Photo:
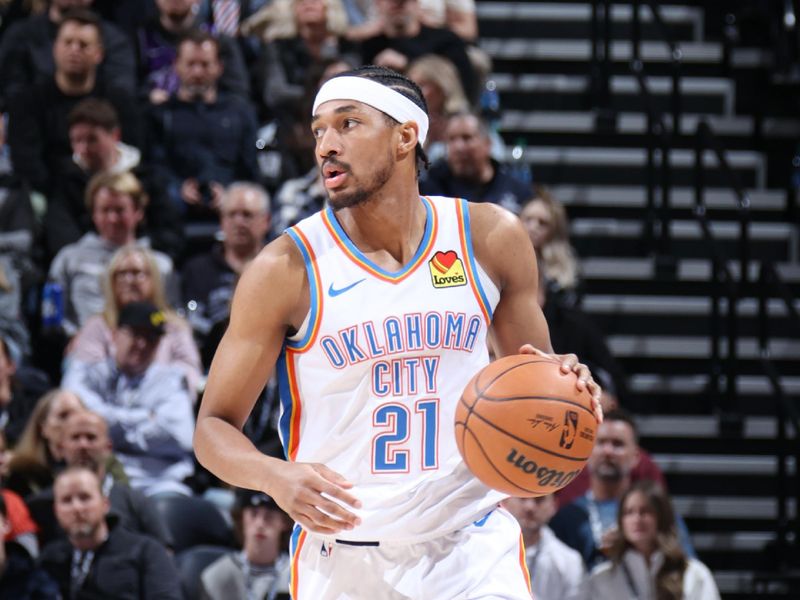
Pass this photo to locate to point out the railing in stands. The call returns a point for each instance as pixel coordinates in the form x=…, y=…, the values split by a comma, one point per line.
x=659, y=136
x=770, y=285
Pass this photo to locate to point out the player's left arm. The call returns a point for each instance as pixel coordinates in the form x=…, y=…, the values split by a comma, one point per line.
x=504, y=250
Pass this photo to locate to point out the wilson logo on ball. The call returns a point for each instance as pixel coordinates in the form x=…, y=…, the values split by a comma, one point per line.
x=544, y=475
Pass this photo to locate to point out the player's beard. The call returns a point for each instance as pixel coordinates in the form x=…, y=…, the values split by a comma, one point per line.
x=362, y=194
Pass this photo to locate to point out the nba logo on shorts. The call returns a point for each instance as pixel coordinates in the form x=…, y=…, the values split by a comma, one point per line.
x=326, y=549
x=569, y=430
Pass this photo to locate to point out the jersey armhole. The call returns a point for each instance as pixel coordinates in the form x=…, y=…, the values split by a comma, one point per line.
x=305, y=336
x=486, y=292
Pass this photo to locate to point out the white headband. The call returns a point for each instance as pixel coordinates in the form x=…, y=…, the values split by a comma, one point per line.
x=376, y=95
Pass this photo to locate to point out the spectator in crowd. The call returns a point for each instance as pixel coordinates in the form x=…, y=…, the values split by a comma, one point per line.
x=202, y=139
x=469, y=171
x=438, y=79
x=38, y=132
x=588, y=523
x=157, y=44
x=87, y=444
x=646, y=559
x=548, y=227
x=133, y=276
x=94, y=135
x=147, y=405
x=99, y=558
x=15, y=405
x=300, y=35
x=209, y=279
x=404, y=37
x=117, y=203
x=38, y=452
x=261, y=569
x=556, y=570
x=20, y=578
x=226, y=17
x=26, y=58
x=20, y=255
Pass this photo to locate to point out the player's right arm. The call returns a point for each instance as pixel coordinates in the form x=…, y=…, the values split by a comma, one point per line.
x=272, y=297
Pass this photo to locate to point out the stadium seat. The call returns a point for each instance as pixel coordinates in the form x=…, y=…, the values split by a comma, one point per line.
x=191, y=563
x=193, y=522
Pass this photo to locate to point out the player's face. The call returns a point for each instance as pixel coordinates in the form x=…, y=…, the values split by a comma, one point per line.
x=615, y=451
x=639, y=522
x=468, y=149
x=79, y=506
x=77, y=49
x=115, y=216
x=353, y=150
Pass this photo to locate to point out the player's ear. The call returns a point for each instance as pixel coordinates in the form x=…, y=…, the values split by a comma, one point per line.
x=409, y=136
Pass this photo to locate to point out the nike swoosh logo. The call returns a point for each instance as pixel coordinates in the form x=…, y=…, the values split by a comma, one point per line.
x=334, y=292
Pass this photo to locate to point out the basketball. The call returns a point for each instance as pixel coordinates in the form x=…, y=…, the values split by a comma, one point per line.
x=522, y=426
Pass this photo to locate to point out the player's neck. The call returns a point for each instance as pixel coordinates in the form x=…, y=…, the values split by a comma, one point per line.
x=609, y=489
x=392, y=224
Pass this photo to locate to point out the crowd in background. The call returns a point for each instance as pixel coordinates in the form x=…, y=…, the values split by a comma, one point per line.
x=148, y=151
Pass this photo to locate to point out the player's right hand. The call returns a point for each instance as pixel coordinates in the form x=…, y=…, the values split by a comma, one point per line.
x=306, y=492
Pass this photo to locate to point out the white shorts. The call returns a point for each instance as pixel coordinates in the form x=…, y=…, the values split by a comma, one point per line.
x=484, y=560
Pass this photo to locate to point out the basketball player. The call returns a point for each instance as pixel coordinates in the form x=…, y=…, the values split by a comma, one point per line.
x=376, y=311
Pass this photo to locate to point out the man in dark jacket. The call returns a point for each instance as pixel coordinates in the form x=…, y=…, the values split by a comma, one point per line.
x=470, y=172
x=37, y=131
x=26, y=57
x=101, y=559
x=202, y=139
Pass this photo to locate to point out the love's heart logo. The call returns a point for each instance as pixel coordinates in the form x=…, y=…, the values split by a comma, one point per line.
x=444, y=260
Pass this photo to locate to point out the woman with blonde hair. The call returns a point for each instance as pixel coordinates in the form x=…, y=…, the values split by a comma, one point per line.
x=646, y=559
x=133, y=276
x=38, y=450
x=438, y=79
x=548, y=227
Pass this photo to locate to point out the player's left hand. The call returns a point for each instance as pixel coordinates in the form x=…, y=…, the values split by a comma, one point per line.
x=570, y=364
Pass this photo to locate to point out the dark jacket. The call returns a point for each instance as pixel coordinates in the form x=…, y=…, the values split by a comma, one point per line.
x=22, y=579
x=503, y=189
x=126, y=566
x=38, y=133
x=26, y=55
x=206, y=141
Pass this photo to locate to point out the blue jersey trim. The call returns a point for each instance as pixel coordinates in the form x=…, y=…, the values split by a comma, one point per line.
x=314, y=293
x=471, y=258
x=423, y=245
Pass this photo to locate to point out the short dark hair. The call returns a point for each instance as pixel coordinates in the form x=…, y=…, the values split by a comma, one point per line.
x=94, y=111
x=82, y=16
x=620, y=414
x=483, y=126
x=401, y=84
x=197, y=37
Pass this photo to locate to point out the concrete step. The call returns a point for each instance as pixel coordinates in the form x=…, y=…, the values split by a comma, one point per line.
x=573, y=20
x=534, y=91
x=627, y=166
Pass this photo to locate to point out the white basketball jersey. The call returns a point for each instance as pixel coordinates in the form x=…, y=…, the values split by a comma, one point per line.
x=370, y=384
